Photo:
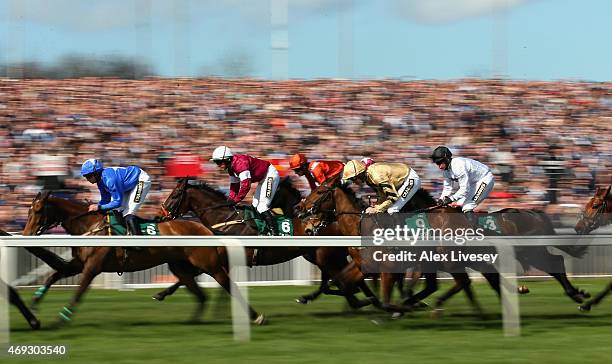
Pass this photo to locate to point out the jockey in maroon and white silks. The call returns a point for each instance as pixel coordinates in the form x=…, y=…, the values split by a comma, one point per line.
x=244, y=170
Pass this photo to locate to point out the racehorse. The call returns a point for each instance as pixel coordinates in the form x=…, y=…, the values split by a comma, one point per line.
x=210, y=206
x=333, y=202
x=47, y=211
x=596, y=214
x=15, y=300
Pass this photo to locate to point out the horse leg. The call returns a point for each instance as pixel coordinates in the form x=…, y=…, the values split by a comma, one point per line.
x=15, y=300
x=462, y=282
x=412, y=282
x=222, y=277
x=323, y=288
x=51, y=259
x=555, y=263
x=431, y=285
x=186, y=276
x=600, y=296
x=160, y=296
x=91, y=268
x=349, y=278
x=493, y=279
x=72, y=268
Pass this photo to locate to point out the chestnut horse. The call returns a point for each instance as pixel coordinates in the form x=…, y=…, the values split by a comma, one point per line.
x=210, y=206
x=596, y=214
x=185, y=262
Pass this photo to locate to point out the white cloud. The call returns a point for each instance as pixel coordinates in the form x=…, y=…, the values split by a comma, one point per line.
x=439, y=11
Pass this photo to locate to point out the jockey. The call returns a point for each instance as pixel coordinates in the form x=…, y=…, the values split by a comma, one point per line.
x=316, y=172
x=474, y=179
x=244, y=170
x=395, y=183
x=121, y=188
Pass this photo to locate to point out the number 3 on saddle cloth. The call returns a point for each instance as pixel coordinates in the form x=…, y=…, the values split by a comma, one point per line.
x=116, y=226
x=284, y=224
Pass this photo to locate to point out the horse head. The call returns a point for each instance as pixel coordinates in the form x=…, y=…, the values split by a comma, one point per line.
x=329, y=202
x=596, y=212
x=40, y=217
x=174, y=206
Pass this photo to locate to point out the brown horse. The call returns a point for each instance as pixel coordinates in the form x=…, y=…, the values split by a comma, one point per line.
x=185, y=262
x=332, y=202
x=210, y=206
x=596, y=214
x=15, y=300
x=336, y=203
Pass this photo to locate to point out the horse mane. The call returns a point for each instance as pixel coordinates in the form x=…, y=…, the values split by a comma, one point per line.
x=352, y=195
x=208, y=188
x=287, y=183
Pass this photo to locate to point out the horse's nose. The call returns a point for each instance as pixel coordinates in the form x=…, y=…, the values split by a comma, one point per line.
x=309, y=232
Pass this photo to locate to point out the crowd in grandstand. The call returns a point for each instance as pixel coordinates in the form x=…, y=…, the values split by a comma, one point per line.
x=548, y=142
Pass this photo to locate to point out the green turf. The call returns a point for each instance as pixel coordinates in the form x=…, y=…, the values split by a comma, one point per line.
x=129, y=327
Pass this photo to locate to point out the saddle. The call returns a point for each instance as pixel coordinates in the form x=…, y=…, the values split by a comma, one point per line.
x=251, y=216
x=117, y=226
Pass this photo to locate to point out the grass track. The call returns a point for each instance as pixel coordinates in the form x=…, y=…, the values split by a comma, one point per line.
x=129, y=327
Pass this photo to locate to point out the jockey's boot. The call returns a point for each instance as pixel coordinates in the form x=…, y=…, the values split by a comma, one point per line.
x=131, y=222
x=472, y=218
x=271, y=222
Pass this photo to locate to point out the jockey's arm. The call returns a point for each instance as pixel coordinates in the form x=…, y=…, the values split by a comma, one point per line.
x=234, y=187
x=463, y=186
x=245, y=185
x=116, y=197
x=389, y=196
x=448, y=188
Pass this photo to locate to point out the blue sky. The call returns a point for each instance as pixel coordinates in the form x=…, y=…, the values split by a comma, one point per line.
x=423, y=39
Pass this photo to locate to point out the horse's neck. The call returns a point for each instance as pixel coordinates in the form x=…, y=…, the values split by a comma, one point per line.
x=69, y=212
x=348, y=213
x=202, y=200
x=286, y=201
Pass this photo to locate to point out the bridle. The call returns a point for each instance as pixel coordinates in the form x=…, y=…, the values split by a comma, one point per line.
x=328, y=216
x=46, y=223
x=595, y=220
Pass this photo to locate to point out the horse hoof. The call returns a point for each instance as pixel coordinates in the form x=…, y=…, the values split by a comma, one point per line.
x=260, y=320
x=437, y=313
x=523, y=289
x=585, y=308
x=397, y=315
x=301, y=300
x=34, y=324
x=158, y=297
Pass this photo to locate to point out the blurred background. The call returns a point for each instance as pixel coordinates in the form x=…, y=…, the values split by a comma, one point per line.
x=160, y=84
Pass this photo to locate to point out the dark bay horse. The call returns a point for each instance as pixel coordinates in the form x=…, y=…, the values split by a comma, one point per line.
x=337, y=203
x=185, y=262
x=210, y=206
x=596, y=214
x=15, y=300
